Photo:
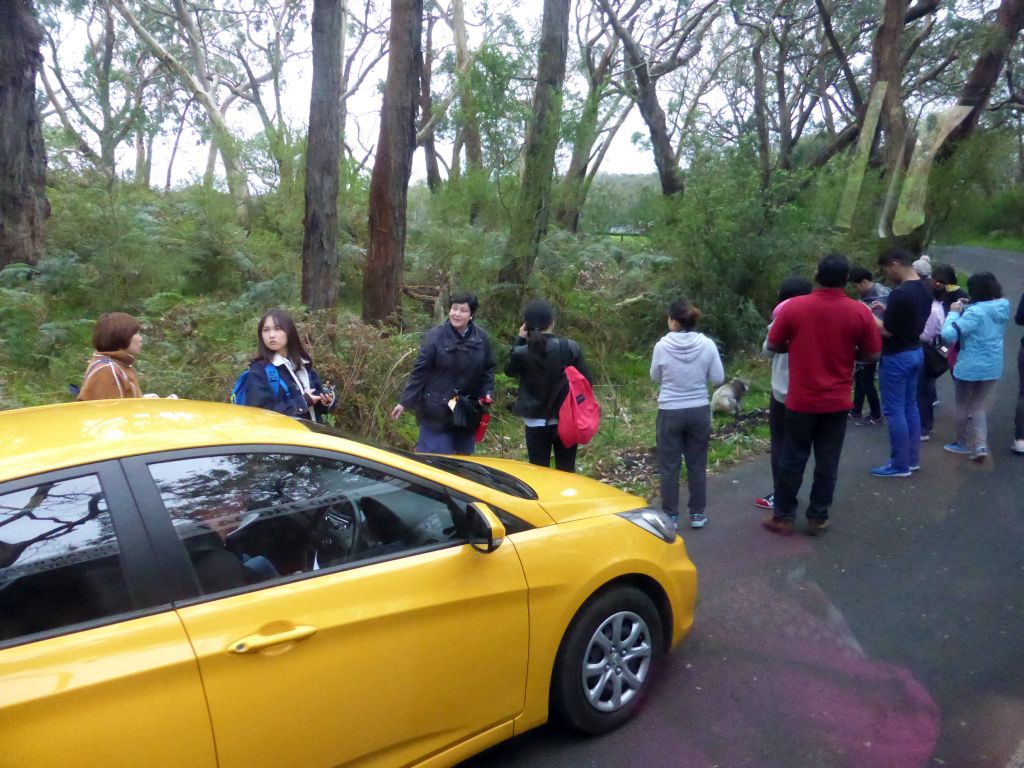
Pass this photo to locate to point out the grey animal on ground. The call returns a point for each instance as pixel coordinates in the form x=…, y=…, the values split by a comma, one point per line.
x=728, y=398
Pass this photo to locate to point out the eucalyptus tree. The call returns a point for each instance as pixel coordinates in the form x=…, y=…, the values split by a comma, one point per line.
x=999, y=38
x=364, y=44
x=23, y=203
x=392, y=166
x=320, y=223
x=601, y=112
x=658, y=38
x=179, y=36
x=96, y=80
x=532, y=210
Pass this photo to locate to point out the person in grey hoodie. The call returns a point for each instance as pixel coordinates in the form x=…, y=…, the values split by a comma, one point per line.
x=788, y=288
x=683, y=364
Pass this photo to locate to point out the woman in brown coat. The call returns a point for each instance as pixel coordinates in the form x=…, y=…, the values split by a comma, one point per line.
x=111, y=373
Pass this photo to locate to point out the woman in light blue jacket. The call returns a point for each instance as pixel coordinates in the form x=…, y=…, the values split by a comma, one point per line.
x=977, y=327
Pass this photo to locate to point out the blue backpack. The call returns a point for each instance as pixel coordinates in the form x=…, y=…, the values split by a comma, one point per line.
x=238, y=391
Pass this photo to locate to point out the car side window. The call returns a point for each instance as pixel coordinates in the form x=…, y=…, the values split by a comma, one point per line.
x=246, y=518
x=60, y=563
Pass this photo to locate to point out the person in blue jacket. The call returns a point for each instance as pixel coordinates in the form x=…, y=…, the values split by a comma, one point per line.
x=281, y=376
x=455, y=360
x=977, y=326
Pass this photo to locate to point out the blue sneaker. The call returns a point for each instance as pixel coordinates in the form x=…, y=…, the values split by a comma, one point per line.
x=956, y=448
x=915, y=467
x=888, y=470
x=698, y=520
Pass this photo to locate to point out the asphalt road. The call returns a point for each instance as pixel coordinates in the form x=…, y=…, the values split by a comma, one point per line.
x=894, y=641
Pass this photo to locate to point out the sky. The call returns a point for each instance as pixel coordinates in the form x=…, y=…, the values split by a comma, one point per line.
x=191, y=157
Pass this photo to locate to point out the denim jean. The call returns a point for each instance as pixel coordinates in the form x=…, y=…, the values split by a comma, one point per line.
x=541, y=441
x=441, y=441
x=822, y=433
x=864, y=387
x=897, y=377
x=683, y=433
x=972, y=398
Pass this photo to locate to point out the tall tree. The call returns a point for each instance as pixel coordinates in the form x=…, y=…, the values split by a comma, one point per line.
x=23, y=203
x=98, y=97
x=675, y=35
x=530, y=218
x=392, y=166
x=1001, y=36
x=320, y=224
x=195, y=75
x=598, y=48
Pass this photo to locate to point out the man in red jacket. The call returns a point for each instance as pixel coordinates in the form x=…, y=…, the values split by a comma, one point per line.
x=824, y=333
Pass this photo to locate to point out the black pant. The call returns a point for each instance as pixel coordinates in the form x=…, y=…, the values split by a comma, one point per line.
x=539, y=443
x=823, y=433
x=777, y=430
x=864, y=386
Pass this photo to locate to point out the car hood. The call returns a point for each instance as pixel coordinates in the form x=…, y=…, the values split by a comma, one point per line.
x=565, y=496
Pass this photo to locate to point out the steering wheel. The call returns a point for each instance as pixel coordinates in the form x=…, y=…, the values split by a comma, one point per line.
x=340, y=534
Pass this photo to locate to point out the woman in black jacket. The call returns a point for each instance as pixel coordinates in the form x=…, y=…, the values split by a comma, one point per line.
x=538, y=359
x=455, y=361
x=281, y=376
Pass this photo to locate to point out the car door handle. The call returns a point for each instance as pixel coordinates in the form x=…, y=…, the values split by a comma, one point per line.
x=259, y=641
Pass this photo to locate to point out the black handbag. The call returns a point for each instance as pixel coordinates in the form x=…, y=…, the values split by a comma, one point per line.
x=467, y=413
x=935, y=361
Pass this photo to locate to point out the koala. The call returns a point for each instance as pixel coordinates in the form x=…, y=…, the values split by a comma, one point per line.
x=729, y=397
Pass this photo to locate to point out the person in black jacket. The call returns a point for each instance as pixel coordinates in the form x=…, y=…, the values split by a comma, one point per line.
x=538, y=359
x=455, y=362
x=293, y=387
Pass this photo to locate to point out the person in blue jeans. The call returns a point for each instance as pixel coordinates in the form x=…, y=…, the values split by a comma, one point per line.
x=901, y=326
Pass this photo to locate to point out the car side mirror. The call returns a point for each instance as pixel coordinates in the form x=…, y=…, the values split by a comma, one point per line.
x=486, y=531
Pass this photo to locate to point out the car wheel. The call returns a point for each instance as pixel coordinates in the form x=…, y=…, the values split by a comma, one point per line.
x=607, y=661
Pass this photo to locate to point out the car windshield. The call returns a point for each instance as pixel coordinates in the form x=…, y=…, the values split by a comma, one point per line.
x=478, y=473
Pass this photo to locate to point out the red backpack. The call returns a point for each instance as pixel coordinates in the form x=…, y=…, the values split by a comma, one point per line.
x=579, y=416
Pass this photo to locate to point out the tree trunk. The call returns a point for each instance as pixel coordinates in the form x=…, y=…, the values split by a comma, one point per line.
x=470, y=124
x=985, y=73
x=320, y=223
x=427, y=113
x=530, y=220
x=199, y=86
x=23, y=203
x=652, y=113
x=887, y=66
x=392, y=167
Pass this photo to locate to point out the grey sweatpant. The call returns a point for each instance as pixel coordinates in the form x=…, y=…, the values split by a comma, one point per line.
x=683, y=433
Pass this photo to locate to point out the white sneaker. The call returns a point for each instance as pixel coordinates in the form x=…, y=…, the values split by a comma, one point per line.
x=1018, y=446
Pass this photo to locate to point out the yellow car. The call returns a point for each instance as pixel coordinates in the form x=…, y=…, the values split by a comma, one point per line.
x=190, y=584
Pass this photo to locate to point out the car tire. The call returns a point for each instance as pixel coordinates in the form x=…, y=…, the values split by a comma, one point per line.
x=608, y=660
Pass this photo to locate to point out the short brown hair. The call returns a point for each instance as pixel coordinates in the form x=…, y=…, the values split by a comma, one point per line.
x=114, y=331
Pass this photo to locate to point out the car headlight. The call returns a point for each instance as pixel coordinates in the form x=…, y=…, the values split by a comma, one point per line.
x=653, y=521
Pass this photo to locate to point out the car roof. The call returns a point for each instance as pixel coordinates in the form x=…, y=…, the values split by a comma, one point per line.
x=34, y=440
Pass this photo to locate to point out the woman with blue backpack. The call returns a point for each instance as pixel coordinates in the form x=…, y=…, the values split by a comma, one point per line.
x=281, y=376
